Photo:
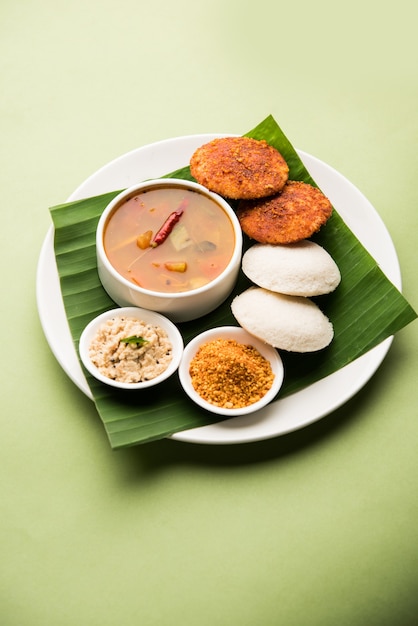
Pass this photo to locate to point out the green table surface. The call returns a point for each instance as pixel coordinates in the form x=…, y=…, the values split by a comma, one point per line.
x=315, y=528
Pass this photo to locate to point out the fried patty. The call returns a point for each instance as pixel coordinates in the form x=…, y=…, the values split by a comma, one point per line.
x=296, y=213
x=239, y=167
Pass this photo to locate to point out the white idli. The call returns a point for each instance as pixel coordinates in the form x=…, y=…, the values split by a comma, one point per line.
x=292, y=323
x=300, y=269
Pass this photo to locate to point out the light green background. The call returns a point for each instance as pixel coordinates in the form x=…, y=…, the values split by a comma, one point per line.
x=317, y=528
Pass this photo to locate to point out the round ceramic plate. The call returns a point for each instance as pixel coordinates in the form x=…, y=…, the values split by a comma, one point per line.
x=282, y=416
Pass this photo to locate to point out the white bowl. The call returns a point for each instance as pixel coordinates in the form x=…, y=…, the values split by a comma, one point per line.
x=241, y=336
x=179, y=306
x=147, y=316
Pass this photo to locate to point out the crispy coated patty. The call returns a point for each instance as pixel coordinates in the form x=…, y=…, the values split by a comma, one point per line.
x=239, y=167
x=296, y=213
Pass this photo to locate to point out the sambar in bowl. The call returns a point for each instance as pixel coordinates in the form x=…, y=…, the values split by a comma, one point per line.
x=171, y=246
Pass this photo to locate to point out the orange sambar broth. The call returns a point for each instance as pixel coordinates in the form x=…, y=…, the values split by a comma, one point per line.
x=202, y=240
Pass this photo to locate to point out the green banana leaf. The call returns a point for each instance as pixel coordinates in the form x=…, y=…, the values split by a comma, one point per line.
x=365, y=298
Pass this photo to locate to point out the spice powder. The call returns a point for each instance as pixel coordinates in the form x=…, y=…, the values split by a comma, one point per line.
x=229, y=374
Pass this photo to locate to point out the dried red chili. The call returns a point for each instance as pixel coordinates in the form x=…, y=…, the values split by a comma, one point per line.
x=168, y=225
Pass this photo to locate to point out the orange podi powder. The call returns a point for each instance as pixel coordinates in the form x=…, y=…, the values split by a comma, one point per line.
x=229, y=374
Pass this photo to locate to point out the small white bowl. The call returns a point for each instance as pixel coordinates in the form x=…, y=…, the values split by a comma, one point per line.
x=150, y=317
x=178, y=306
x=241, y=336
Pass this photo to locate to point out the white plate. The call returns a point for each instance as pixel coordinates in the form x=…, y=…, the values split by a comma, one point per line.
x=282, y=416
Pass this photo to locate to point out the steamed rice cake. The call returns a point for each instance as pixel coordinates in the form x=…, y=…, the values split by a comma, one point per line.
x=300, y=269
x=291, y=323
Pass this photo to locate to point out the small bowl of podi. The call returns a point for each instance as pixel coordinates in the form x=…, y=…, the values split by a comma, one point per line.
x=131, y=348
x=171, y=246
x=230, y=372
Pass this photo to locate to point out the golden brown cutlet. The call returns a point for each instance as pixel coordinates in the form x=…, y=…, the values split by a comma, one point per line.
x=239, y=167
x=296, y=213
